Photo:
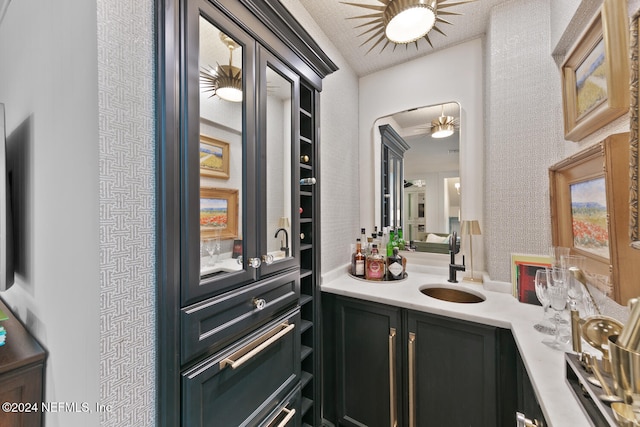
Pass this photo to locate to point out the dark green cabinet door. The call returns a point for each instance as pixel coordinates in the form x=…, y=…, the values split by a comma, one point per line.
x=368, y=355
x=452, y=374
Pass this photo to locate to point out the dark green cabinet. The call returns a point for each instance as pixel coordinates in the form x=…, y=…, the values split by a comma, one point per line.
x=385, y=365
x=369, y=369
x=452, y=369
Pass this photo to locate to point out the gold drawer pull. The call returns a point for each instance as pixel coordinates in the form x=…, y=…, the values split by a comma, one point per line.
x=290, y=413
x=253, y=348
x=412, y=379
x=392, y=377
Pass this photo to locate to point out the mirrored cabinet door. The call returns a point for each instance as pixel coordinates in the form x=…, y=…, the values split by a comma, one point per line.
x=219, y=174
x=278, y=102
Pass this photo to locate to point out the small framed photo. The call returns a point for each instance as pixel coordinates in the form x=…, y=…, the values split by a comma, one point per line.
x=595, y=73
x=523, y=274
x=214, y=157
x=218, y=213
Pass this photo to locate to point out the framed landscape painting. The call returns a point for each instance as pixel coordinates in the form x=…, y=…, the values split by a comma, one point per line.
x=595, y=73
x=218, y=213
x=214, y=157
x=589, y=216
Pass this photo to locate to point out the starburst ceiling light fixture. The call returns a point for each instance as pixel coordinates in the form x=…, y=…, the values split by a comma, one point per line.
x=443, y=126
x=404, y=21
x=225, y=80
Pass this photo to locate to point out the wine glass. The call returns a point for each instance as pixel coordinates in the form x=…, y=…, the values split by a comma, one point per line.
x=574, y=289
x=212, y=247
x=599, y=287
x=557, y=293
x=556, y=253
x=544, y=326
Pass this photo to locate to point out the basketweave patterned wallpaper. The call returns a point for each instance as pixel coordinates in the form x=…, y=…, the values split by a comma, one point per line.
x=127, y=205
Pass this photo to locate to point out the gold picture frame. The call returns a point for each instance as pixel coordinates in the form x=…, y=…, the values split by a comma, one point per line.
x=214, y=157
x=634, y=224
x=595, y=73
x=218, y=213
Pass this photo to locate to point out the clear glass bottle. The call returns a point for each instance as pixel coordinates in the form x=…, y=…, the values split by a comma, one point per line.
x=395, y=266
x=375, y=265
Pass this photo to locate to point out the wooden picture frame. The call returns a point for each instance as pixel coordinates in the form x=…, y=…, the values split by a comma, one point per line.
x=609, y=159
x=214, y=157
x=634, y=175
x=218, y=213
x=595, y=73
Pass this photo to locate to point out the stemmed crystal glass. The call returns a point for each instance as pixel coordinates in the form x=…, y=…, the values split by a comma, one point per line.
x=600, y=288
x=544, y=326
x=574, y=289
x=212, y=247
x=557, y=293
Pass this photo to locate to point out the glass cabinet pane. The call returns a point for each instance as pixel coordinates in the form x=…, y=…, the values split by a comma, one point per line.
x=278, y=170
x=221, y=151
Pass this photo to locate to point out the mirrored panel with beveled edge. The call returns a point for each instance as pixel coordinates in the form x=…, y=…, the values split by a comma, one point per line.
x=222, y=181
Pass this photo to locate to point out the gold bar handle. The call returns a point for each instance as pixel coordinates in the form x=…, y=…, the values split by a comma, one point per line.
x=290, y=413
x=392, y=378
x=412, y=379
x=253, y=348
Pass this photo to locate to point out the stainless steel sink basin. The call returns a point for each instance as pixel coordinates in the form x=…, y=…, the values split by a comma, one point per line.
x=451, y=294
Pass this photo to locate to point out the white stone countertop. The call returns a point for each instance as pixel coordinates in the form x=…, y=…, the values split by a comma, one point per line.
x=545, y=366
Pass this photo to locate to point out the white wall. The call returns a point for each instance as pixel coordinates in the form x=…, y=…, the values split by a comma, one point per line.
x=341, y=189
x=454, y=74
x=48, y=83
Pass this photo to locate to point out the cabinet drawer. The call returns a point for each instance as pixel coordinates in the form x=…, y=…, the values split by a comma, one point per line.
x=212, y=324
x=287, y=413
x=244, y=383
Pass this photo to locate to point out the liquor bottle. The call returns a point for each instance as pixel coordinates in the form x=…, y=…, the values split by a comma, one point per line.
x=363, y=236
x=358, y=261
x=375, y=241
x=304, y=159
x=401, y=242
x=395, y=266
x=374, y=266
x=391, y=243
x=368, y=247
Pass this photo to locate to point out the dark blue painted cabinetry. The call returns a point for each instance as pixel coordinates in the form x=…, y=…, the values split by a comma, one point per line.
x=238, y=339
x=386, y=365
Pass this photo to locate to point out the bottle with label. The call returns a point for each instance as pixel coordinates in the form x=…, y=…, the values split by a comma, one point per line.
x=367, y=248
x=395, y=266
x=374, y=266
x=358, y=261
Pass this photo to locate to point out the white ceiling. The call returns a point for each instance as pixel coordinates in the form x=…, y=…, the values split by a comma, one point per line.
x=331, y=16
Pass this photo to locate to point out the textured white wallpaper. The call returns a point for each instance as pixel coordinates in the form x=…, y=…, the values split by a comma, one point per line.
x=523, y=132
x=127, y=205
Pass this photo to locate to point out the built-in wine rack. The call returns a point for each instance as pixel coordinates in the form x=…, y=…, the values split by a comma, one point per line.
x=309, y=256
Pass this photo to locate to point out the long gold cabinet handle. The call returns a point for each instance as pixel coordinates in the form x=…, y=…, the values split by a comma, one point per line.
x=252, y=349
x=393, y=398
x=290, y=414
x=412, y=379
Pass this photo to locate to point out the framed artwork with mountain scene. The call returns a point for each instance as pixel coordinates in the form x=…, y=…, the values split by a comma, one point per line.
x=595, y=73
x=581, y=203
x=218, y=213
x=214, y=157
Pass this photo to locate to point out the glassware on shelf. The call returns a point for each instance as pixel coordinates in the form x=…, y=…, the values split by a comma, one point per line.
x=212, y=247
x=557, y=294
x=574, y=288
x=599, y=287
x=544, y=326
x=556, y=253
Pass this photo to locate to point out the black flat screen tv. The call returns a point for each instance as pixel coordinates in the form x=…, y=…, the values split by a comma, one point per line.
x=6, y=219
